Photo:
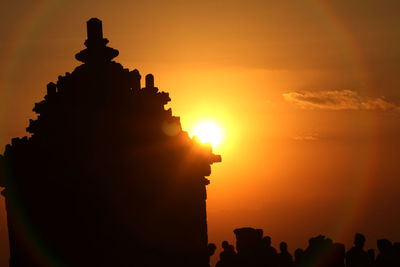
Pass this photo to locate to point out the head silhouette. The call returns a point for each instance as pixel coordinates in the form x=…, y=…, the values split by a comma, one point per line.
x=225, y=245
x=298, y=254
x=283, y=247
x=359, y=240
x=211, y=249
x=383, y=245
x=267, y=240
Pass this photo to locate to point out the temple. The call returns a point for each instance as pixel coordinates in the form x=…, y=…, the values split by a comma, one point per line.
x=106, y=176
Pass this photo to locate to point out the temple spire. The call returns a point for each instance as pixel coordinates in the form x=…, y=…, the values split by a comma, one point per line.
x=94, y=29
x=150, y=83
x=96, y=50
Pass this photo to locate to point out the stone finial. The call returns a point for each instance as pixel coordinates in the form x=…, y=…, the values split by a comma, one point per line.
x=149, y=81
x=97, y=50
x=94, y=29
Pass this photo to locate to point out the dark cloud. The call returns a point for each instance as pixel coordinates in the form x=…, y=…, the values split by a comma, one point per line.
x=338, y=100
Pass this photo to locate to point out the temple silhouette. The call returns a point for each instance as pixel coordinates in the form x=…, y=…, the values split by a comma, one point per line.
x=106, y=177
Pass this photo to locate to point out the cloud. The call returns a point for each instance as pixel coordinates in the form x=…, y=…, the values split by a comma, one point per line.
x=306, y=137
x=338, y=100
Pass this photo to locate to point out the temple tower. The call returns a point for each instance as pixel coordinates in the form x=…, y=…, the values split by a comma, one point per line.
x=101, y=181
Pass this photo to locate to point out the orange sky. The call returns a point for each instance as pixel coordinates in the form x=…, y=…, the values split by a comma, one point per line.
x=306, y=91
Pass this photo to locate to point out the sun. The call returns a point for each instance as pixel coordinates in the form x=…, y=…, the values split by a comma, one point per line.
x=208, y=132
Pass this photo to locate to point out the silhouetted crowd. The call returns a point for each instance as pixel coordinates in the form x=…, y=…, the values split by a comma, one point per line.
x=252, y=249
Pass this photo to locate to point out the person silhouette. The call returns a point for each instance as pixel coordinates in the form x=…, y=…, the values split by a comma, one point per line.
x=385, y=257
x=371, y=257
x=338, y=253
x=396, y=253
x=269, y=252
x=284, y=259
x=357, y=256
x=211, y=249
x=227, y=256
x=299, y=258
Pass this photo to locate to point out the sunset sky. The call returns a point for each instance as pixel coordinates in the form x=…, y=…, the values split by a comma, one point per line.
x=307, y=94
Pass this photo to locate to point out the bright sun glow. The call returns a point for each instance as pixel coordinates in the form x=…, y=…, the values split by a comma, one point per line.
x=208, y=132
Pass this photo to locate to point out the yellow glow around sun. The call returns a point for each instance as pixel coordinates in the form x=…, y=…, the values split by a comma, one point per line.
x=208, y=132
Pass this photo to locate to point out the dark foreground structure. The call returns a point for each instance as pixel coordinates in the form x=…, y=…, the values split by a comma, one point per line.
x=255, y=250
x=107, y=176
